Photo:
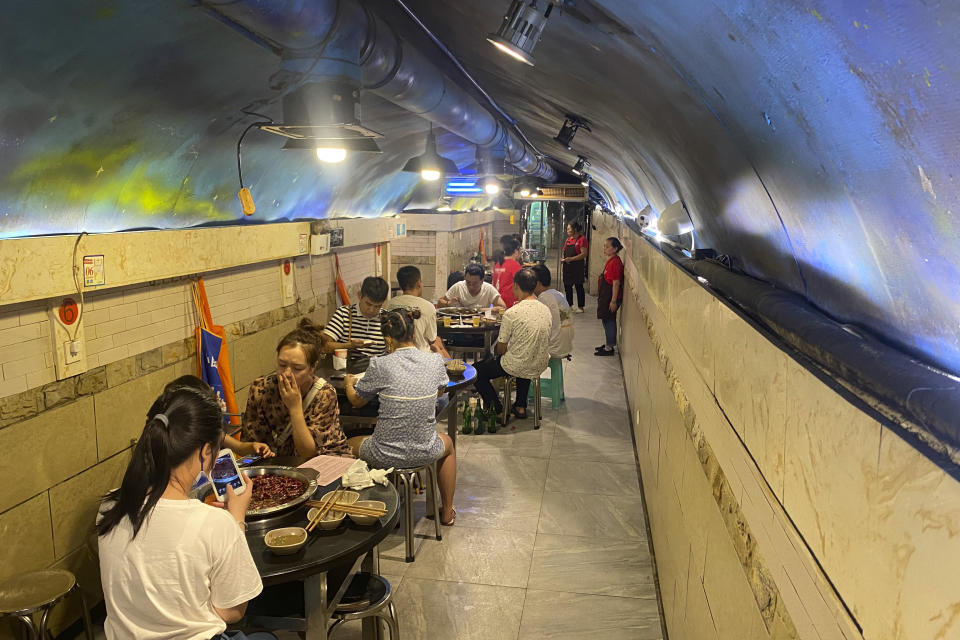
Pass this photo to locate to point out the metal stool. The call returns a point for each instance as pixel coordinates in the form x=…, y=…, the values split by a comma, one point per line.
x=36, y=592
x=406, y=478
x=534, y=386
x=368, y=595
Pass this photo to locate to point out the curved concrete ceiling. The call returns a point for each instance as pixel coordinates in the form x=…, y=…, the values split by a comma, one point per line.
x=813, y=143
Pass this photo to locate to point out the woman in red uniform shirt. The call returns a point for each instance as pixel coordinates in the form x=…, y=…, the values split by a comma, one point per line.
x=504, y=272
x=610, y=294
x=574, y=263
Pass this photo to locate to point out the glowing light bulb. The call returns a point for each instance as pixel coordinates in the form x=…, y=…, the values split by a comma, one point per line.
x=331, y=154
x=492, y=188
x=430, y=174
x=524, y=193
x=443, y=208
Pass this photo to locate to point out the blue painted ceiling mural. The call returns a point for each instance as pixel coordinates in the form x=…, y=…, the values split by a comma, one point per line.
x=815, y=143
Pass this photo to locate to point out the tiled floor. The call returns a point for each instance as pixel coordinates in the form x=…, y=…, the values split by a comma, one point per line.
x=550, y=539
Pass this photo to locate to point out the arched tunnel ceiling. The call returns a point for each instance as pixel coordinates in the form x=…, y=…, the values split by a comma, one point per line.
x=814, y=143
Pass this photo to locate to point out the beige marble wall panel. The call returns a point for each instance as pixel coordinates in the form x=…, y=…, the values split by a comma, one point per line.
x=694, y=319
x=122, y=410
x=831, y=479
x=914, y=530
x=48, y=449
x=732, y=604
x=254, y=355
x=751, y=388
x=27, y=537
x=74, y=503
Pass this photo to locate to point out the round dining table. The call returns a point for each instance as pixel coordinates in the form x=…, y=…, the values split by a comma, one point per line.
x=455, y=386
x=326, y=564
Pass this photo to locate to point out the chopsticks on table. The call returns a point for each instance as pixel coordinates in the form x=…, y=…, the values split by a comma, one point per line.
x=325, y=507
x=351, y=508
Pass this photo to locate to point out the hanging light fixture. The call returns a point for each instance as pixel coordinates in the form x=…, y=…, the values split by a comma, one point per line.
x=324, y=116
x=585, y=179
x=581, y=164
x=431, y=165
x=521, y=29
x=571, y=124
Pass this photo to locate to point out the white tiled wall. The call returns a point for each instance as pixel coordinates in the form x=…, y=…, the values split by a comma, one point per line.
x=417, y=243
x=126, y=321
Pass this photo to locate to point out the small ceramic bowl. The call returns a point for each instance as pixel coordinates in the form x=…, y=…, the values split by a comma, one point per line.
x=333, y=518
x=286, y=541
x=372, y=504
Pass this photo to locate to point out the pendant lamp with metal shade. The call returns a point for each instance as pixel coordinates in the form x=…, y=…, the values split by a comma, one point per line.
x=431, y=165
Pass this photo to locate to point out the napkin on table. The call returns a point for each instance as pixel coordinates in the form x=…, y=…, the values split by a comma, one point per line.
x=360, y=476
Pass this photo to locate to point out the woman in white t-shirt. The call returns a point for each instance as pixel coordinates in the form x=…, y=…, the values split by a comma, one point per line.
x=174, y=568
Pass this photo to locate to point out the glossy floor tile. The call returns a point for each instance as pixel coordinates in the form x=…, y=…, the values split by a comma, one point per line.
x=599, y=566
x=605, y=478
x=573, y=616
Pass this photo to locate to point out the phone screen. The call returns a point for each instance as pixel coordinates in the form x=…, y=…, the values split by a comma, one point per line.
x=249, y=459
x=225, y=473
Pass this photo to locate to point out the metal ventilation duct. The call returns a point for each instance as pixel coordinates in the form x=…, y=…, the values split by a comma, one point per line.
x=301, y=30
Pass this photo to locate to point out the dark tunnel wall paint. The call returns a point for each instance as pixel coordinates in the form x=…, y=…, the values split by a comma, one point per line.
x=814, y=142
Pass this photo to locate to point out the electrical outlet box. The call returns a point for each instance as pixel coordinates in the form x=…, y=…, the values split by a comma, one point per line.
x=319, y=244
x=68, y=341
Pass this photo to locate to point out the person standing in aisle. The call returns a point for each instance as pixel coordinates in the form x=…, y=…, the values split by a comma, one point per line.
x=574, y=264
x=504, y=272
x=610, y=288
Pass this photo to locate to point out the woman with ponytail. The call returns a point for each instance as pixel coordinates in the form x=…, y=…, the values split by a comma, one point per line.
x=294, y=411
x=173, y=567
x=407, y=382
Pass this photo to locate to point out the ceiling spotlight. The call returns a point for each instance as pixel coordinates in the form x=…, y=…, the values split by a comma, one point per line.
x=492, y=185
x=521, y=29
x=569, y=129
x=431, y=165
x=585, y=179
x=580, y=165
x=524, y=193
x=324, y=116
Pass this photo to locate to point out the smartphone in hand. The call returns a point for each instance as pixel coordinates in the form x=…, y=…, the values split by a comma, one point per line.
x=226, y=473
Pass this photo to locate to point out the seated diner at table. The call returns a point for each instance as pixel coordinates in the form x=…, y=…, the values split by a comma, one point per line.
x=292, y=410
x=357, y=326
x=239, y=447
x=505, y=268
x=425, y=327
x=472, y=291
x=561, y=332
x=522, y=347
x=171, y=566
x=407, y=381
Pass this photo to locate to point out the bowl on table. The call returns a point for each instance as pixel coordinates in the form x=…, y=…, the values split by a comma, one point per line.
x=455, y=367
x=333, y=518
x=285, y=541
x=371, y=504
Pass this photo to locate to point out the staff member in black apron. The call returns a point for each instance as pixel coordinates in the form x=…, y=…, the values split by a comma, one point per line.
x=574, y=264
x=610, y=287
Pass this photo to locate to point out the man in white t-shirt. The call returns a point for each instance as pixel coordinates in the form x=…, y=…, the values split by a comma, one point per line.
x=561, y=333
x=425, y=327
x=472, y=291
x=523, y=346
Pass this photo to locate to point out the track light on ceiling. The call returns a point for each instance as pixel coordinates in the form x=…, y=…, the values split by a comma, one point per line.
x=571, y=124
x=581, y=164
x=585, y=179
x=430, y=164
x=521, y=29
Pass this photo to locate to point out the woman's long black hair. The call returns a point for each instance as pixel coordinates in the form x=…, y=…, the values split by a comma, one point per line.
x=179, y=422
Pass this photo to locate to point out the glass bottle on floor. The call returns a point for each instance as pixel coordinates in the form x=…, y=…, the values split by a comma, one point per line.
x=478, y=425
x=466, y=424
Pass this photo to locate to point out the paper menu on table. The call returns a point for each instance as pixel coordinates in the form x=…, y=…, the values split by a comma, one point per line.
x=328, y=468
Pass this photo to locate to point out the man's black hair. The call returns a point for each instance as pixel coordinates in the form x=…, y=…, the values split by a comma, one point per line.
x=408, y=277
x=374, y=289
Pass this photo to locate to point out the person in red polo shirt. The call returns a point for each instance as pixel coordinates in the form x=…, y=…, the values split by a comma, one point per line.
x=574, y=264
x=503, y=272
x=610, y=295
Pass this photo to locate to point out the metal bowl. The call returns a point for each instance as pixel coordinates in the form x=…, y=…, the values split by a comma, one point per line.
x=307, y=476
x=458, y=311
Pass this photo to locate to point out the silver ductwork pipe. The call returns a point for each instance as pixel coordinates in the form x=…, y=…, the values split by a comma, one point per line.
x=390, y=67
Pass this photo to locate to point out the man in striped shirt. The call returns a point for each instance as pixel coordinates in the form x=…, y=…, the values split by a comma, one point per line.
x=357, y=326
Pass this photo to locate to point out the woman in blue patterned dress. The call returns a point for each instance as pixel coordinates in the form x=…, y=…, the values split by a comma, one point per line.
x=407, y=382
